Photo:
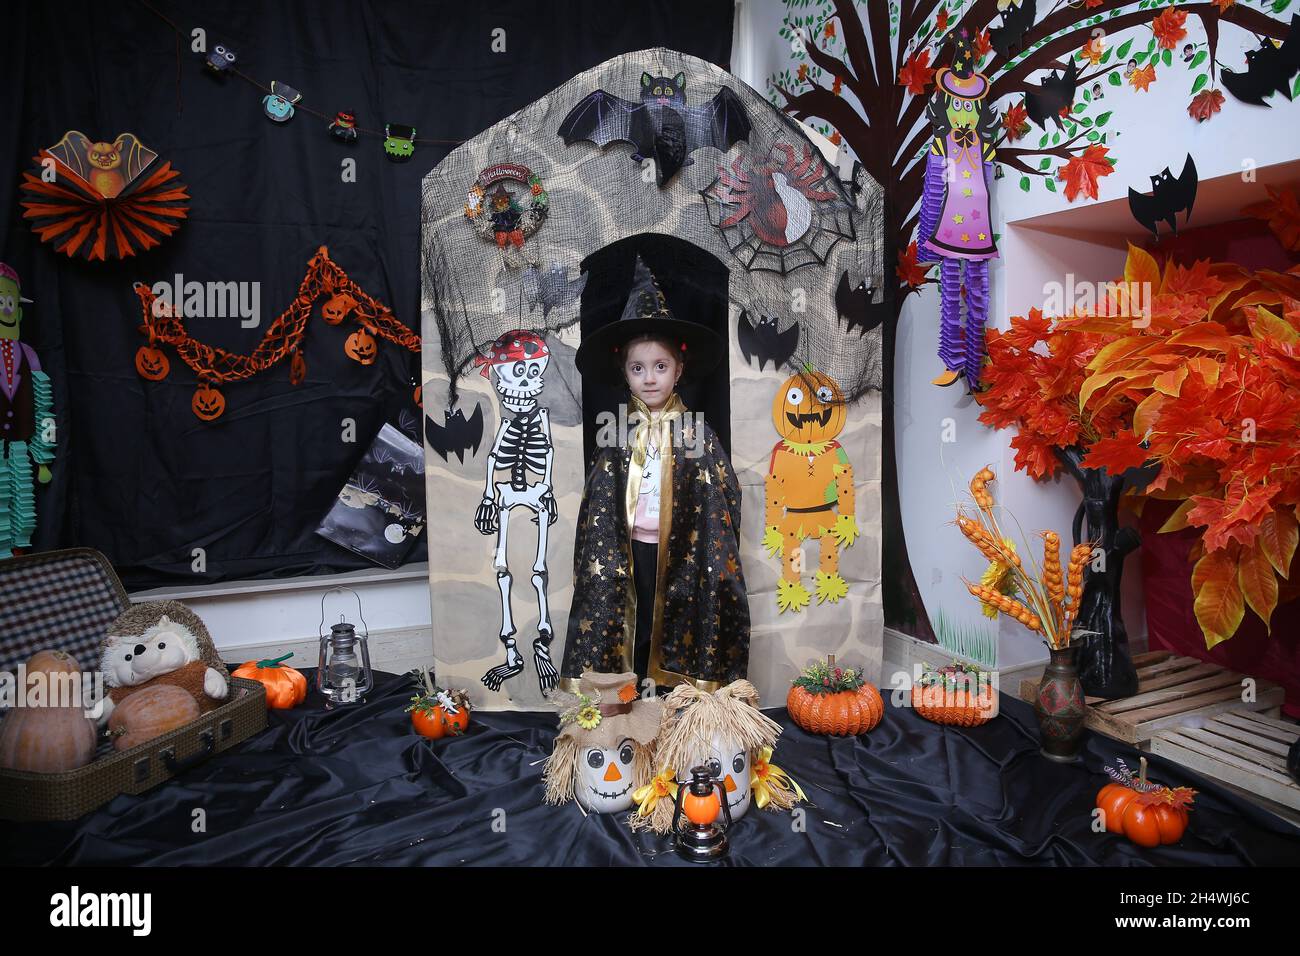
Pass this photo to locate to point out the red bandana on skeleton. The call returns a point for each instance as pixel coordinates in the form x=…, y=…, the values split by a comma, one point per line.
x=517, y=346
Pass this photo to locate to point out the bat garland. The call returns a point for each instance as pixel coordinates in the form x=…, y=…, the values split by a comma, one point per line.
x=855, y=306
x=1169, y=196
x=661, y=126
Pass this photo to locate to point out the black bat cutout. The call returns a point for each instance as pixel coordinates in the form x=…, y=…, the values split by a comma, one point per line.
x=1009, y=39
x=1054, y=94
x=457, y=435
x=1268, y=69
x=551, y=288
x=854, y=305
x=664, y=128
x=764, y=342
x=1169, y=196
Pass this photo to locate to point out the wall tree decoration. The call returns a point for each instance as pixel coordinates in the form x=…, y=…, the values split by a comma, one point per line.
x=866, y=71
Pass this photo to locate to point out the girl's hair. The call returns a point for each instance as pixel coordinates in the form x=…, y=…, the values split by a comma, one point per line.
x=672, y=346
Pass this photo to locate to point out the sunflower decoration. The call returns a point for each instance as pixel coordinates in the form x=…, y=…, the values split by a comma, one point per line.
x=998, y=577
x=585, y=711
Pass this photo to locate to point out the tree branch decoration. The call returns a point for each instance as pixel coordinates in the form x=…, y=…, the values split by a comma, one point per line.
x=284, y=339
x=867, y=70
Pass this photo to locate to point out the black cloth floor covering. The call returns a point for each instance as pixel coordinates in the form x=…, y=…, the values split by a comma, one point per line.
x=358, y=786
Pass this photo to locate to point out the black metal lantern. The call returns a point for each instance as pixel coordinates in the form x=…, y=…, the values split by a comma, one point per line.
x=702, y=839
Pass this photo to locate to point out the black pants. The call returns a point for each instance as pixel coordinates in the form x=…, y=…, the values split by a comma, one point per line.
x=645, y=561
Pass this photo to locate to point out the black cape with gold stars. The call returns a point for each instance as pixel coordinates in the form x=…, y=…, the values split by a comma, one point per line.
x=701, y=620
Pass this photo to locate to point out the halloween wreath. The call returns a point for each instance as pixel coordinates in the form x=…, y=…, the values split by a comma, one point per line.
x=284, y=338
x=98, y=201
x=498, y=215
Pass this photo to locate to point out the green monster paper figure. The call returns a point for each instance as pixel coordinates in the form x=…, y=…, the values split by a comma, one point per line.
x=26, y=421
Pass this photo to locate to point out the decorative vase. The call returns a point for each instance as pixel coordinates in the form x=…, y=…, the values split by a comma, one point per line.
x=1104, y=662
x=1060, y=707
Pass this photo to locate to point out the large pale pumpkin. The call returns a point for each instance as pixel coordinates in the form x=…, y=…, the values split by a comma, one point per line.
x=808, y=407
x=48, y=739
x=150, y=713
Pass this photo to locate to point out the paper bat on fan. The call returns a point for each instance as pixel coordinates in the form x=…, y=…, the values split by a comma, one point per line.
x=457, y=435
x=106, y=168
x=854, y=305
x=1169, y=196
x=662, y=126
x=764, y=342
x=1268, y=69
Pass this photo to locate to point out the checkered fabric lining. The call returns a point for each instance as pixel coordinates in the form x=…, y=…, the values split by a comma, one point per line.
x=66, y=604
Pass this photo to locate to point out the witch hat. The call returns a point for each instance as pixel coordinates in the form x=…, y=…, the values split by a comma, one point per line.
x=647, y=313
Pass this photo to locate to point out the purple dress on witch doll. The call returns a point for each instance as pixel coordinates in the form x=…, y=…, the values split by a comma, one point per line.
x=956, y=227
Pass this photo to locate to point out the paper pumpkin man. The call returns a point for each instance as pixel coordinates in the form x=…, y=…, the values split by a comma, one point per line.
x=26, y=421
x=604, y=751
x=956, y=227
x=809, y=488
x=725, y=732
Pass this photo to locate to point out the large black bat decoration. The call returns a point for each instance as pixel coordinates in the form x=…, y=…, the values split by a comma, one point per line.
x=1009, y=39
x=1169, y=196
x=764, y=342
x=1055, y=92
x=458, y=435
x=662, y=126
x=853, y=304
x=1268, y=69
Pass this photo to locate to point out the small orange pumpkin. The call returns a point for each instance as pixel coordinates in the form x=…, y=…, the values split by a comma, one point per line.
x=208, y=403
x=809, y=407
x=337, y=308
x=702, y=810
x=431, y=719
x=1148, y=815
x=841, y=713
x=285, y=687
x=152, y=363
x=361, y=347
x=969, y=702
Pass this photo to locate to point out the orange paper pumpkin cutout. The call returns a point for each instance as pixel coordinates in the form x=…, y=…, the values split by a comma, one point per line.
x=152, y=363
x=361, y=347
x=809, y=407
x=208, y=403
x=337, y=308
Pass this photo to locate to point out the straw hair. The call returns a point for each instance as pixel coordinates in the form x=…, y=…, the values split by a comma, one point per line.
x=692, y=718
x=561, y=770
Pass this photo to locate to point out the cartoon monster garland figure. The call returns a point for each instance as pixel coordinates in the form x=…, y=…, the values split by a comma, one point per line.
x=956, y=226
x=809, y=488
x=26, y=417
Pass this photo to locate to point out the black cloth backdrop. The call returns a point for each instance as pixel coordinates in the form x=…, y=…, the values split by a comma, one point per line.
x=137, y=475
x=359, y=786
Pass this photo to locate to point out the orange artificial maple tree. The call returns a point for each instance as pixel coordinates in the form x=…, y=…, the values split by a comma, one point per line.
x=1204, y=383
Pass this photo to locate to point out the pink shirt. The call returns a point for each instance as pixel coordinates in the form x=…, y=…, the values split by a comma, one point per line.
x=645, y=527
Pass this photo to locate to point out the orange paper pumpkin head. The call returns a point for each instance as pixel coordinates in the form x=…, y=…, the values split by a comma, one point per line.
x=361, y=347
x=337, y=307
x=809, y=407
x=208, y=403
x=152, y=363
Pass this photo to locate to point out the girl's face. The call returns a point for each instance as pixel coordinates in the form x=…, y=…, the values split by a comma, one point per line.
x=652, y=372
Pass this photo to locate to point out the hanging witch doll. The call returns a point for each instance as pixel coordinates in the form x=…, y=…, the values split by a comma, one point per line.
x=725, y=732
x=657, y=583
x=956, y=228
x=26, y=421
x=604, y=751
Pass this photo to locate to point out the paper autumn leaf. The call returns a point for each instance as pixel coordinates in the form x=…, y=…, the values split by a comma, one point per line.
x=1142, y=77
x=1117, y=454
x=1168, y=28
x=1081, y=173
x=941, y=22
x=1282, y=212
x=1204, y=105
x=909, y=270
x=1224, y=4
x=1092, y=51
x=916, y=74
x=983, y=44
x=1016, y=121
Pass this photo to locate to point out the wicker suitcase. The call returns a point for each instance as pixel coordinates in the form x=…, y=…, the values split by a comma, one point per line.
x=66, y=600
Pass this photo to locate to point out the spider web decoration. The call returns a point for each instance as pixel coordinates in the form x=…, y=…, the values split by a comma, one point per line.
x=779, y=214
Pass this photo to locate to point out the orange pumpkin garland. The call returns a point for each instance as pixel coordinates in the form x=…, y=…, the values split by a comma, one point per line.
x=1148, y=814
x=285, y=687
x=832, y=700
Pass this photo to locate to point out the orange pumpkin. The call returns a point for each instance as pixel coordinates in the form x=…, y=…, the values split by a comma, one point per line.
x=208, y=403
x=966, y=704
x=361, y=347
x=151, y=363
x=702, y=810
x=1149, y=817
x=435, y=723
x=285, y=687
x=151, y=712
x=337, y=307
x=49, y=739
x=809, y=407
x=842, y=714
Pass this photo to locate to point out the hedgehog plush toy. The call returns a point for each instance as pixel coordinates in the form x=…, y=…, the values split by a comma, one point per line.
x=162, y=642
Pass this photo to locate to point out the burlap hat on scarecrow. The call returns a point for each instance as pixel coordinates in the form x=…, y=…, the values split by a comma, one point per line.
x=605, y=748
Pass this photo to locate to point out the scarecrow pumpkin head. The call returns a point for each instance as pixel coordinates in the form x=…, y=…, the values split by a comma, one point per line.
x=809, y=407
x=605, y=748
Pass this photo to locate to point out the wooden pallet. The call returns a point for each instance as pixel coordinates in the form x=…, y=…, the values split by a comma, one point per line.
x=1173, y=692
x=1243, y=750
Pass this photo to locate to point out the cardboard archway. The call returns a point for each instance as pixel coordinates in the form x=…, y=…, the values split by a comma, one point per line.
x=478, y=286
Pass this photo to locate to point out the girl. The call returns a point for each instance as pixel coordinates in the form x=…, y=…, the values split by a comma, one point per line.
x=657, y=582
